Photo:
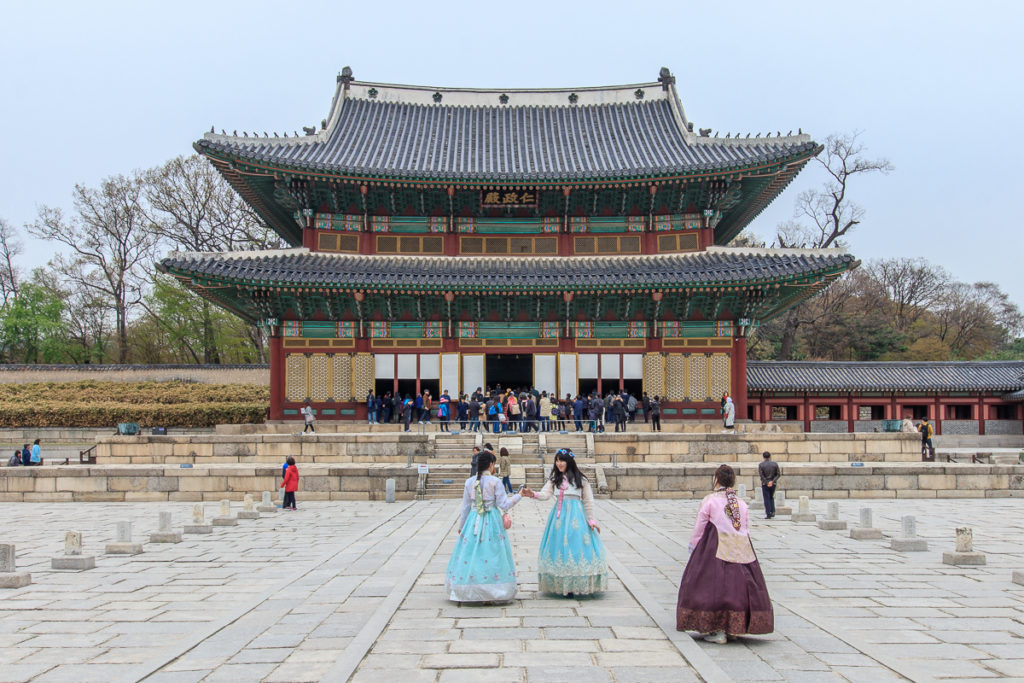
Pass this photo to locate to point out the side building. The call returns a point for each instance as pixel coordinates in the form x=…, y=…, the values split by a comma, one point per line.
x=449, y=239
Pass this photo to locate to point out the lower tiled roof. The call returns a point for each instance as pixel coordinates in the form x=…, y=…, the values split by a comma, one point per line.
x=300, y=267
x=885, y=376
x=1015, y=396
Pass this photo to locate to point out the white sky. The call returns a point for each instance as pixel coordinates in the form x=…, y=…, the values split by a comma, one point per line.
x=99, y=88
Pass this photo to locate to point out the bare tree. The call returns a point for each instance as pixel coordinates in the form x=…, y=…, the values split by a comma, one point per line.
x=832, y=215
x=10, y=249
x=110, y=246
x=191, y=208
x=911, y=287
x=976, y=319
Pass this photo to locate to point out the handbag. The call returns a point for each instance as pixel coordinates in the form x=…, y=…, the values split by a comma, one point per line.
x=506, y=520
x=502, y=418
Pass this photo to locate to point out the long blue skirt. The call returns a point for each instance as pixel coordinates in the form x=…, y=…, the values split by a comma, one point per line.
x=571, y=557
x=481, y=568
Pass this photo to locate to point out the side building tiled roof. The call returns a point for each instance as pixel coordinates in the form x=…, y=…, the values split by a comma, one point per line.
x=814, y=376
x=300, y=267
x=517, y=136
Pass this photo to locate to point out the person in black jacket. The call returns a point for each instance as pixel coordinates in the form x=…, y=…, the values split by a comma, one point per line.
x=769, y=473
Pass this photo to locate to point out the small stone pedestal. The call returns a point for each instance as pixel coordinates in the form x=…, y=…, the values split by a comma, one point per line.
x=1018, y=577
x=9, y=576
x=832, y=521
x=266, y=504
x=198, y=525
x=248, y=508
x=781, y=506
x=225, y=518
x=965, y=554
x=804, y=513
x=389, y=491
x=866, y=530
x=741, y=492
x=123, y=545
x=164, y=534
x=73, y=557
x=909, y=542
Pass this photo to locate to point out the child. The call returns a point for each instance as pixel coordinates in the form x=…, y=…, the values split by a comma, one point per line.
x=291, y=484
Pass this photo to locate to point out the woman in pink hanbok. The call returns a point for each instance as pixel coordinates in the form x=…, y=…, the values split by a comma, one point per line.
x=723, y=592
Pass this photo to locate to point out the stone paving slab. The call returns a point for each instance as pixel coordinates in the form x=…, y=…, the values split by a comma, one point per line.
x=355, y=590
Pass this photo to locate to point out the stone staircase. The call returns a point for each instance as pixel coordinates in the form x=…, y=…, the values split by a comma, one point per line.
x=454, y=448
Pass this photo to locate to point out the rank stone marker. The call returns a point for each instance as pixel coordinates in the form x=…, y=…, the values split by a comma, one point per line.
x=1018, y=577
x=389, y=491
x=965, y=554
x=9, y=576
x=198, y=525
x=781, y=507
x=832, y=521
x=741, y=491
x=865, y=531
x=248, y=508
x=165, y=534
x=225, y=518
x=73, y=557
x=804, y=513
x=267, y=503
x=123, y=545
x=909, y=542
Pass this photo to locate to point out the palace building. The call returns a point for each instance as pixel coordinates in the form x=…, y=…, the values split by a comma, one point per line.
x=451, y=238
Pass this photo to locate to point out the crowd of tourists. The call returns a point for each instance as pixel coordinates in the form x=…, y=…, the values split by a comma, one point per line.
x=516, y=409
x=26, y=456
x=722, y=593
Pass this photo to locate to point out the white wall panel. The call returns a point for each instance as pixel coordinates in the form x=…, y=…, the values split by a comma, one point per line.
x=406, y=366
x=545, y=374
x=588, y=365
x=384, y=365
x=632, y=366
x=450, y=373
x=567, y=382
x=609, y=366
x=472, y=373
x=430, y=366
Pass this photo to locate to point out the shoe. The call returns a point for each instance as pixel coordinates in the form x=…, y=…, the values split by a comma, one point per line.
x=717, y=637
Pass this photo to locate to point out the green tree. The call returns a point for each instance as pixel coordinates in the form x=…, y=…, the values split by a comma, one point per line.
x=33, y=326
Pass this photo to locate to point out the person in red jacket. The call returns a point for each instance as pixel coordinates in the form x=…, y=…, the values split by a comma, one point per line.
x=291, y=484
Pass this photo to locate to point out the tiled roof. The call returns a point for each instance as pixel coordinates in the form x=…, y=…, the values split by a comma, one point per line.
x=302, y=267
x=1015, y=396
x=885, y=376
x=382, y=130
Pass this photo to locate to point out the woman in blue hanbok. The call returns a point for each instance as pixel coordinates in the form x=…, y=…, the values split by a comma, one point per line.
x=571, y=560
x=481, y=568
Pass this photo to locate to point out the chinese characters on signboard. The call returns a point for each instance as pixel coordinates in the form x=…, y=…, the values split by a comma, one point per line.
x=493, y=199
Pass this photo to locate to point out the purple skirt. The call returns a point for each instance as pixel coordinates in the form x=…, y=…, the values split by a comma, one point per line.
x=716, y=595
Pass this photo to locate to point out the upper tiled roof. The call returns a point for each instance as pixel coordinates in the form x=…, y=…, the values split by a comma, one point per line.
x=412, y=132
x=885, y=376
x=718, y=265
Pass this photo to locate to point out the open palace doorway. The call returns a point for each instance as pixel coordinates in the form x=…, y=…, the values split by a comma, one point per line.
x=509, y=370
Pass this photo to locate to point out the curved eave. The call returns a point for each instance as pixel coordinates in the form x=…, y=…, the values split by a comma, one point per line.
x=809, y=281
x=704, y=172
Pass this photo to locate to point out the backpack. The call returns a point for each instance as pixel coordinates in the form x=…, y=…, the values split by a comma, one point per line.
x=493, y=409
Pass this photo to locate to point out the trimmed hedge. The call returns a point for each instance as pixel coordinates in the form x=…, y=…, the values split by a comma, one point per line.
x=105, y=404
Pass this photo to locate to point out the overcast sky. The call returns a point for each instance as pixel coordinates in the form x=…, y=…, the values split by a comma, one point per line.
x=99, y=88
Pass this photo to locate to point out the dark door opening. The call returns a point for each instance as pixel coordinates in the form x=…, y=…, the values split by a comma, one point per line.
x=633, y=386
x=407, y=387
x=587, y=386
x=509, y=370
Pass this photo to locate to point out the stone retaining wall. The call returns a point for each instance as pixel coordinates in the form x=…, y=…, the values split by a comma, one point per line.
x=113, y=483
x=895, y=480
x=684, y=448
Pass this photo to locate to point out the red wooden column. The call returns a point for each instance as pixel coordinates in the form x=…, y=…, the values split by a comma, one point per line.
x=937, y=421
x=739, y=376
x=807, y=412
x=276, y=378
x=849, y=414
x=981, y=416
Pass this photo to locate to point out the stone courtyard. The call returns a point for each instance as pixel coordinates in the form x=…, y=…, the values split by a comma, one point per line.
x=353, y=591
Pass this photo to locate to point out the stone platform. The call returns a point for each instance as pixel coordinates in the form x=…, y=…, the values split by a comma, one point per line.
x=127, y=483
x=354, y=591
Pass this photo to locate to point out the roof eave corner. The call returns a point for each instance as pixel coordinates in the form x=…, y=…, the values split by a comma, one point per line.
x=344, y=80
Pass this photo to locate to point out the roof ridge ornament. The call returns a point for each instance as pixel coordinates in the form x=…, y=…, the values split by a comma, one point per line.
x=666, y=78
x=345, y=77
